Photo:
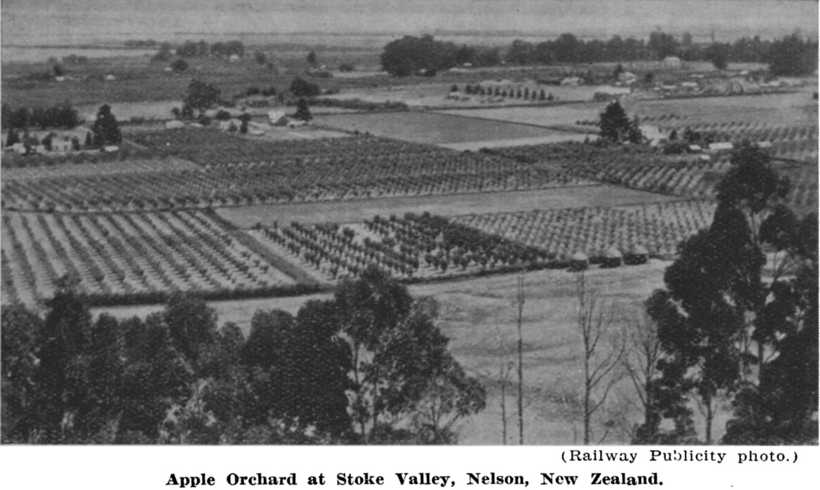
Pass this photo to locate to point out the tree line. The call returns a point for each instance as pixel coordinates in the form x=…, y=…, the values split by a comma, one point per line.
x=367, y=366
x=58, y=116
x=791, y=55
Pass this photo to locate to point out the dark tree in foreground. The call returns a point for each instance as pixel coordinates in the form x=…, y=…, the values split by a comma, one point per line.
x=727, y=329
x=106, y=129
x=407, y=386
x=175, y=378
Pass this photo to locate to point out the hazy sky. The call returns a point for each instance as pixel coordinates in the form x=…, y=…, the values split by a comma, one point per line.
x=43, y=21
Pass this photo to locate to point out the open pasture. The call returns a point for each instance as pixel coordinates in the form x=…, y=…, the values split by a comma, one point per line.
x=773, y=109
x=429, y=127
x=559, y=115
x=118, y=257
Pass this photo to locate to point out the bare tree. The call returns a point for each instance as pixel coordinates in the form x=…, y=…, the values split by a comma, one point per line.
x=505, y=367
x=641, y=365
x=593, y=322
x=520, y=299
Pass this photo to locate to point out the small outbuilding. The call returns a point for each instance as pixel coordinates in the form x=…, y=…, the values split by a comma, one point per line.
x=638, y=255
x=578, y=261
x=672, y=62
x=721, y=146
x=612, y=257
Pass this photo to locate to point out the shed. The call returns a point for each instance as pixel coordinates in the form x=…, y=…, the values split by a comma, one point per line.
x=638, y=255
x=278, y=118
x=578, y=261
x=612, y=257
x=721, y=146
x=672, y=62
x=61, y=145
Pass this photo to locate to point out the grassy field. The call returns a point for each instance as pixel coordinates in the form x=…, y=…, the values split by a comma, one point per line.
x=558, y=115
x=426, y=127
x=553, y=137
x=479, y=317
x=790, y=108
x=786, y=108
x=445, y=205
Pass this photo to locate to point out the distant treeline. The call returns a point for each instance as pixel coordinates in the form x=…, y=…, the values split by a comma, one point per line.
x=790, y=55
x=58, y=116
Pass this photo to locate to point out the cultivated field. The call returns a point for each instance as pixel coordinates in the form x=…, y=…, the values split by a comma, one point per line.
x=237, y=171
x=352, y=211
x=128, y=257
x=775, y=109
x=645, y=169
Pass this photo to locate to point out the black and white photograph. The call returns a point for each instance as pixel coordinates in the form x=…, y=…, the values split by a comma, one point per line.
x=410, y=222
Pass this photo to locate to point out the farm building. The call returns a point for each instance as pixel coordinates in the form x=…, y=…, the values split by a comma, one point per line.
x=578, y=261
x=638, y=255
x=61, y=145
x=672, y=62
x=278, y=118
x=627, y=78
x=612, y=257
x=571, y=81
x=226, y=125
x=721, y=146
